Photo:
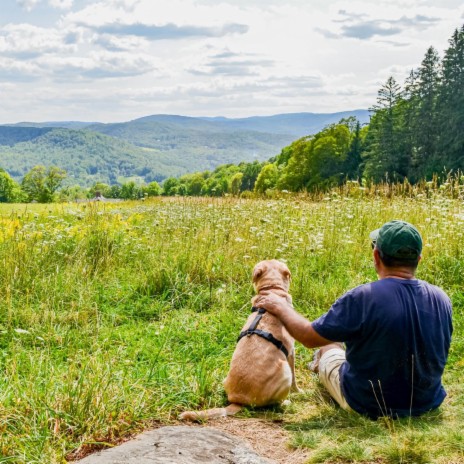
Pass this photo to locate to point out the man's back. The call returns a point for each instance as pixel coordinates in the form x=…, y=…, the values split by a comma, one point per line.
x=397, y=334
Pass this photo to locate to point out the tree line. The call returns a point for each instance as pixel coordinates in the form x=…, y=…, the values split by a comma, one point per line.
x=44, y=185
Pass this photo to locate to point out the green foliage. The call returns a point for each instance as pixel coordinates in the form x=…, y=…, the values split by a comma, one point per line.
x=267, y=178
x=324, y=160
x=153, y=189
x=171, y=186
x=40, y=183
x=10, y=191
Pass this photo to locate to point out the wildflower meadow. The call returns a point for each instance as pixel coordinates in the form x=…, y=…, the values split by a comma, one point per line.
x=116, y=317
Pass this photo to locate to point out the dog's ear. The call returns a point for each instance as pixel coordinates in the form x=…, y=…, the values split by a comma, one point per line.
x=258, y=272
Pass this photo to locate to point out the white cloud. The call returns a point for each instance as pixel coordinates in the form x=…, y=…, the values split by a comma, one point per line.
x=26, y=41
x=29, y=5
x=61, y=4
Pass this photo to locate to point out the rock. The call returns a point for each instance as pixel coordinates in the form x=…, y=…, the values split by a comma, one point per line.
x=179, y=445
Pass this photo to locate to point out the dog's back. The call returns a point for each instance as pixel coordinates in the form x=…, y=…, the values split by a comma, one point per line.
x=259, y=372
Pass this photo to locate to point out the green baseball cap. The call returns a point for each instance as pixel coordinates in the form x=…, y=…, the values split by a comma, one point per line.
x=398, y=239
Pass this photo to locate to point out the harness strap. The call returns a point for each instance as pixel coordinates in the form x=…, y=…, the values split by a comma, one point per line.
x=252, y=330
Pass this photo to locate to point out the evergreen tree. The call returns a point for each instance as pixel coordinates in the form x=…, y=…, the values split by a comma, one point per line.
x=426, y=123
x=451, y=104
x=387, y=157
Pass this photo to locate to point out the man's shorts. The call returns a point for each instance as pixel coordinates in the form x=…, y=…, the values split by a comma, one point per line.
x=329, y=374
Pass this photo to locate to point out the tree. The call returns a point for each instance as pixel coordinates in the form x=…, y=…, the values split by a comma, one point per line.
x=236, y=183
x=352, y=165
x=426, y=124
x=451, y=103
x=100, y=189
x=40, y=183
x=153, y=189
x=170, y=186
x=267, y=178
x=295, y=174
x=250, y=174
x=10, y=190
x=131, y=191
x=386, y=156
x=195, y=184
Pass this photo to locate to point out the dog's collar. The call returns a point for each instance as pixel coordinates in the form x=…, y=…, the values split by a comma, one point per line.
x=252, y=330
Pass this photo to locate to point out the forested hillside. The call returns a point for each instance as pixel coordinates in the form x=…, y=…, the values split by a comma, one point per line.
x=87, y=157
x=150, y=148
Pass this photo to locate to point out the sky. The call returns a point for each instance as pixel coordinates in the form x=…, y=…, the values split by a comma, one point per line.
x=118, y=60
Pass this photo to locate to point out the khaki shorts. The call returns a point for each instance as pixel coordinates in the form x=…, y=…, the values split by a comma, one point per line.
x=329, y=374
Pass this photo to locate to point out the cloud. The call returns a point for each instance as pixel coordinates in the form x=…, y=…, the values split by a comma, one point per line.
x=168, y=31
x=61, y=4
x=18, y=71
x=29, y=5
x=355, y=26
x=117, y=44
x=27, y=41
x=228, y=63
x=98, y=66
x=231, y=68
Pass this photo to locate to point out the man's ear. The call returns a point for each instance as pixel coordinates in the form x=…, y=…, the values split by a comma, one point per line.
x=376, y=254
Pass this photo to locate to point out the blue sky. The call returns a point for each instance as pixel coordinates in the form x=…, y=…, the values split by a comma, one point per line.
x=116, y=60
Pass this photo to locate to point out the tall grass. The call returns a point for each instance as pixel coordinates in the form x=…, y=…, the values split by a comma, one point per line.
x=113, y=317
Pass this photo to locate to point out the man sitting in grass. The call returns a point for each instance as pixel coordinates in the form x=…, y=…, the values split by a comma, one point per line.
x=397, y=333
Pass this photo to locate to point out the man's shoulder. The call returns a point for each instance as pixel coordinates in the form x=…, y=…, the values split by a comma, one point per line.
x=438, y=291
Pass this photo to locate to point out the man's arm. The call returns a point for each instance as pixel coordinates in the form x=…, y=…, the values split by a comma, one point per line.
x=298, y=326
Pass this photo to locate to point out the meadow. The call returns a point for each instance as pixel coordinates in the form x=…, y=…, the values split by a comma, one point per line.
x=116, y=317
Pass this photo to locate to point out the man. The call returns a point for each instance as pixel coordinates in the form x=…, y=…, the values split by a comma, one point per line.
x=397, y=333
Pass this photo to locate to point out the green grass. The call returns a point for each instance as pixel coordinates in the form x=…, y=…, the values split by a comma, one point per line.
x=114, y=317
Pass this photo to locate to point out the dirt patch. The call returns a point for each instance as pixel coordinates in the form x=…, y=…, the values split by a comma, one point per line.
x=267, y=438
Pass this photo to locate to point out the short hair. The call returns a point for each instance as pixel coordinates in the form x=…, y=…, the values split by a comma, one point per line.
x=389, y=261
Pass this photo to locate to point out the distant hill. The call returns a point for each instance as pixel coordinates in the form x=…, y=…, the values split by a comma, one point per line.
x=88, y=157
x=296, y=124
x=152, y=147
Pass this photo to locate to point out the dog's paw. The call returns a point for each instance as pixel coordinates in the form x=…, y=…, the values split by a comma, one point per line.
x=286, y=403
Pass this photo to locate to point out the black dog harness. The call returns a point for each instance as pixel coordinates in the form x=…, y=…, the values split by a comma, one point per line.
x=252, y=330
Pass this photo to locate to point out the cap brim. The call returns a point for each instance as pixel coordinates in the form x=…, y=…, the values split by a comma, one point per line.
x=374, y=234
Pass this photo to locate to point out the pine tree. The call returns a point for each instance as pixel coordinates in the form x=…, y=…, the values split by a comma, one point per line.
x=451, y=103
x=386, y=154
x=426, y=125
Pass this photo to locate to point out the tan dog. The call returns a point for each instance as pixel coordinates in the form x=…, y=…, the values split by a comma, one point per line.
x=260, y=372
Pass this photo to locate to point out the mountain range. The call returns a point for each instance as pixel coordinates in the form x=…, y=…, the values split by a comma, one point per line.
x=153, y=147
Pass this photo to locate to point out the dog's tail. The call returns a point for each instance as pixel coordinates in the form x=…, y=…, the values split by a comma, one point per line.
x=200, y=416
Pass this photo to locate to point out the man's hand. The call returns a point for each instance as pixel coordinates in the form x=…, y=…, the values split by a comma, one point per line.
x=298, y=326
x=272, y=303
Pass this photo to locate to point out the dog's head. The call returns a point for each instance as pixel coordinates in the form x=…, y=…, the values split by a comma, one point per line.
x=271, y=275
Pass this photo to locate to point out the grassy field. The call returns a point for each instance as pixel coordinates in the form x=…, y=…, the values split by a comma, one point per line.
x=116, y=317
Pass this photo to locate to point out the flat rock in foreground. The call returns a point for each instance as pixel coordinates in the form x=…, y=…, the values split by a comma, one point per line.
x=179, y=445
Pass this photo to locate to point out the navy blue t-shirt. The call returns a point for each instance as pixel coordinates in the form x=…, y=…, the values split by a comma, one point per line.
x=397, y=335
